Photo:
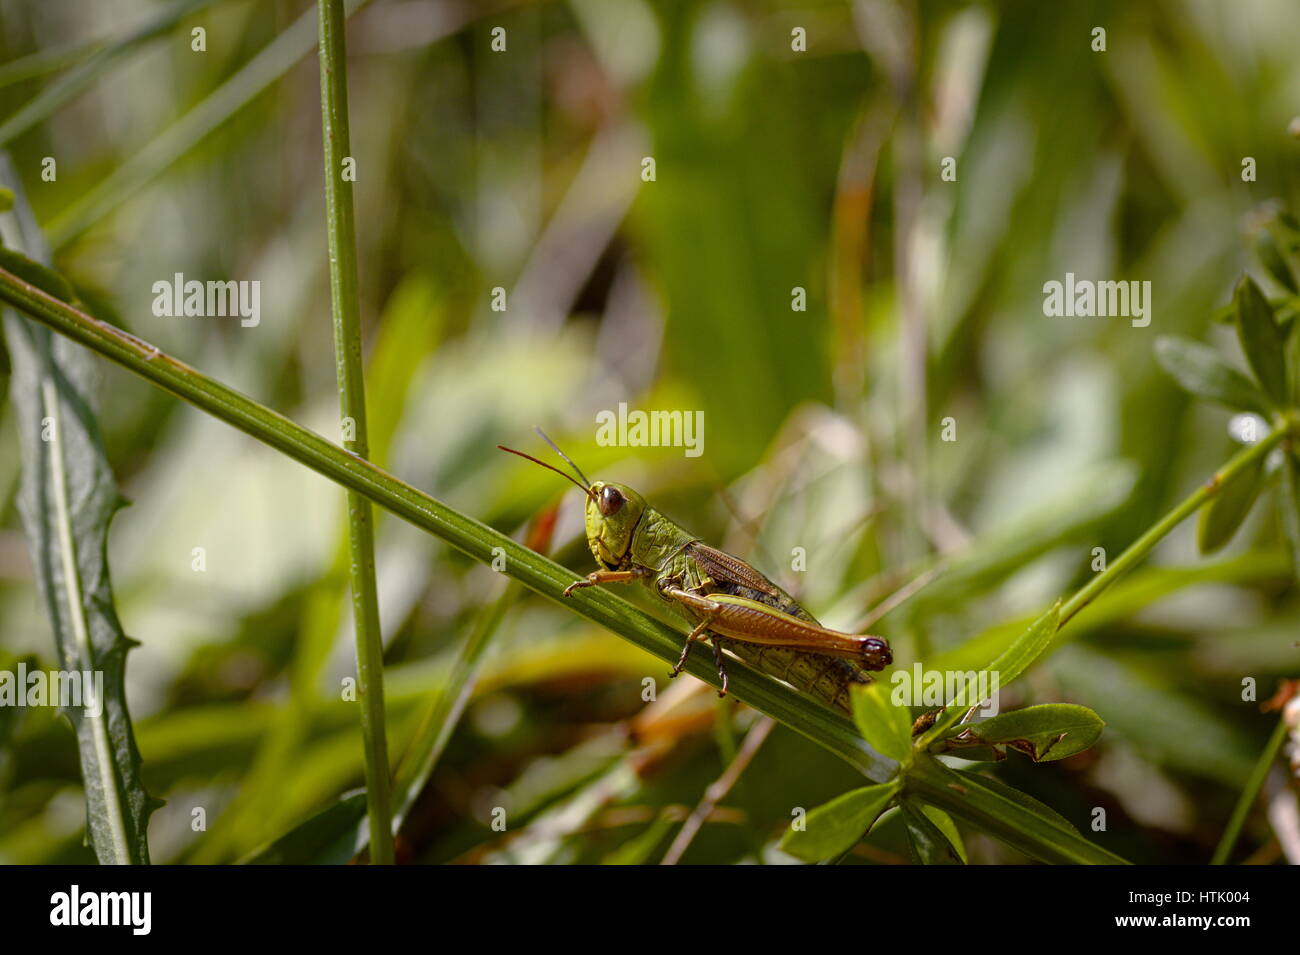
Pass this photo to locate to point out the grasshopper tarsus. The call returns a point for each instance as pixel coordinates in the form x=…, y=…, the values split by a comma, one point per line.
x=721, y=663
x=680, y=665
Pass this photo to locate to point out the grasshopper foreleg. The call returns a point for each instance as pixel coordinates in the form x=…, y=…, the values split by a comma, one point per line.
x=602, y=577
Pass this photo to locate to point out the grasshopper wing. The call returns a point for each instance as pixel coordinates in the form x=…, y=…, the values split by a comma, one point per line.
x=828, y=678
x=725, y=568
x=734, y=576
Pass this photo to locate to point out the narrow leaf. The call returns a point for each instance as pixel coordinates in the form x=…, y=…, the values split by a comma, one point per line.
x=66, y=498
x=1290, y=507
x=1272, y=259
x=639, y=849
x=44, y=278
x=835, y=827
x=1044, y=733
x=929, y=844
x=1012, y=816
x=947, y=826
x=1200, y=370
x=1025, y=802
x=1261, y=339
x=448, y=701
x=1171, y=727
x=1008, y=665
x=1219, y=519
x=883, y=724
x=327, y=838
x=53, y=96
x=1016, y=658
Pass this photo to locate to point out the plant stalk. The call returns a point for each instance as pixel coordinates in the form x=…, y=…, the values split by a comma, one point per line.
x=345, y=299
x=1143, y=546
x=1248, y=795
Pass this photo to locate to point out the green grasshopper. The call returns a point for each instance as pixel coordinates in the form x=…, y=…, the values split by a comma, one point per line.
x=720, y=595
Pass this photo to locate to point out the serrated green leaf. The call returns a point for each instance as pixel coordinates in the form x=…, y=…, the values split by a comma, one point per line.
x=1044, y=733
x=1261, y=339
x=835, y=827
x=1219, y=519
x=887, y=727
x=930, y=845
x=66, y=498
x=1200, y=370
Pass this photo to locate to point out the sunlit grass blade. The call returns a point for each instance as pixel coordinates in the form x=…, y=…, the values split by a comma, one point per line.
x=450, y=700
x=329, y=837
x=151, y=159
x=41, y=62
x=47, y=102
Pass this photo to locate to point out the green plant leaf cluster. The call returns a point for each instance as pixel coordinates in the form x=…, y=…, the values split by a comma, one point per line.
x=1271, y=348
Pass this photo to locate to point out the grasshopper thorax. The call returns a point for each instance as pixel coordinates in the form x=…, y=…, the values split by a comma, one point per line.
x=613, y=512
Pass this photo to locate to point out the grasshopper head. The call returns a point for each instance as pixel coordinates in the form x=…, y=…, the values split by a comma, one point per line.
x=613, y=511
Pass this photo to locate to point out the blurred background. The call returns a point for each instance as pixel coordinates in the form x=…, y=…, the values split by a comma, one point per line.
x=796, y=146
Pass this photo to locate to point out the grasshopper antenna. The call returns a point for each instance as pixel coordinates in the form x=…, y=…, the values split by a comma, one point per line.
x=550, y=467
x=557, y=450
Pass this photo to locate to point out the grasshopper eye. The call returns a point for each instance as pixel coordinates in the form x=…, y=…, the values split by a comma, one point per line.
x=611, y=501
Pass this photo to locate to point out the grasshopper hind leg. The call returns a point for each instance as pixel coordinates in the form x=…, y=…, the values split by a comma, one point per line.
x=700, y=631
